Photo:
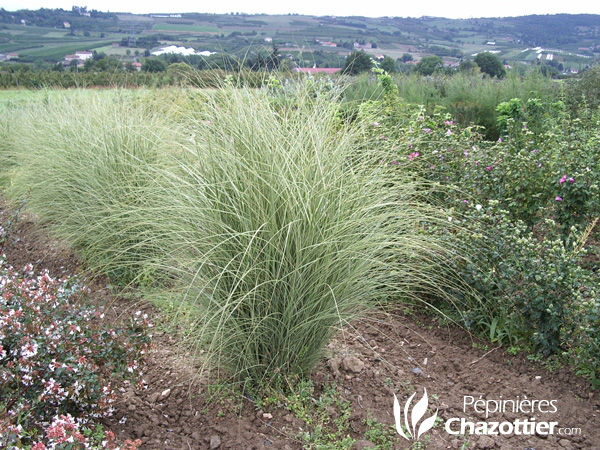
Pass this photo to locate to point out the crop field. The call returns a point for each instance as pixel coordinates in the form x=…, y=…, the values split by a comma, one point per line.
x=185, y=28
x=59, y=49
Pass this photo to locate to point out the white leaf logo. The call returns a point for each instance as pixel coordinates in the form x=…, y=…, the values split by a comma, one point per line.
x=418, y=411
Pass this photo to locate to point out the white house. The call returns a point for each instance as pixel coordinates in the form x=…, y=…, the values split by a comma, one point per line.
x=84, y=55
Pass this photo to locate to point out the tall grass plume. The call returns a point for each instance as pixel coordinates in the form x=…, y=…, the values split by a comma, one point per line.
x=282, y=228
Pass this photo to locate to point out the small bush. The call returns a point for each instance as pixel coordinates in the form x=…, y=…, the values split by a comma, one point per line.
x=56, y=357
x=532, y=286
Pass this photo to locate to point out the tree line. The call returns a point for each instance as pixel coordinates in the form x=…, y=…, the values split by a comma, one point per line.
x=487, y=63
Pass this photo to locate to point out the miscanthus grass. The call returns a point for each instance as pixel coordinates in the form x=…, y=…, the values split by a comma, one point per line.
x=281, y=228
x=85, y=160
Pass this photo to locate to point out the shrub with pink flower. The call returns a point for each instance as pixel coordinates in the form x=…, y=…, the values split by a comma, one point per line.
x=57, y=358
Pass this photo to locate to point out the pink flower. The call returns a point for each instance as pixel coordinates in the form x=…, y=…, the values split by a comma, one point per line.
x=558, y=199
x=383, y=138
x=427, y=130
x=376, y=124
x=413, y=156
x=448, y=122
x=489, y=168
x=449, y=132
x=571, y=180
x=563, y=179
x=500, y=140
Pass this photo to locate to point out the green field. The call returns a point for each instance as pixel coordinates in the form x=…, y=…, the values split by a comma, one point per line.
x=58, y=50
x=56, y=34
x=185, y=28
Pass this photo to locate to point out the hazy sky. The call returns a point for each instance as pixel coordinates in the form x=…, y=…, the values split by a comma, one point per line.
x=406, y=8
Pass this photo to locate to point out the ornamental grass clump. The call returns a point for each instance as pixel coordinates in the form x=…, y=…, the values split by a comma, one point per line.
x=84, y=161
x=281, y=228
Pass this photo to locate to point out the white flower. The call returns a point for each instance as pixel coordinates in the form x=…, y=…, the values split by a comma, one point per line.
x=478, y=207
x=28, y=350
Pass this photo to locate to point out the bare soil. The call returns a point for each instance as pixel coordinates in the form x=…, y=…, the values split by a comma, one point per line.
x=399, y=352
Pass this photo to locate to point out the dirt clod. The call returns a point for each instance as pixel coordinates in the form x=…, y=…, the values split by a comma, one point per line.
x=215, y=442
x=352, y=364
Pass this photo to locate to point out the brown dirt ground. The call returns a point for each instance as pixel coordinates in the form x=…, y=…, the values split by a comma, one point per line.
x=401, y=352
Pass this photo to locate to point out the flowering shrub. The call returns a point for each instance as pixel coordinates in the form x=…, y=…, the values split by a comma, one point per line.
x=550, y=166
x=65, y=433
x=532, y=285
x=57, y=360
x=522, y=211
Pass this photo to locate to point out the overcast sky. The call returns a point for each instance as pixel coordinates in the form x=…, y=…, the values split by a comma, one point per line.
x=406, y=8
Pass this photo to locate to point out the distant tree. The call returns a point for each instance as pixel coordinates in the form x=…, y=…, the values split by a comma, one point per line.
x=429, y=65
x=406, y=57
x=221, y=61
x=98, y=56
x=269, y=61
x=179, y=72
x=357, y=62
x=466, y=65
x=406, y=68
x=154, y=65
x=107, y=64
x=490, y=64
x=549, y=71
x=389, y=65
x=40, y=64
